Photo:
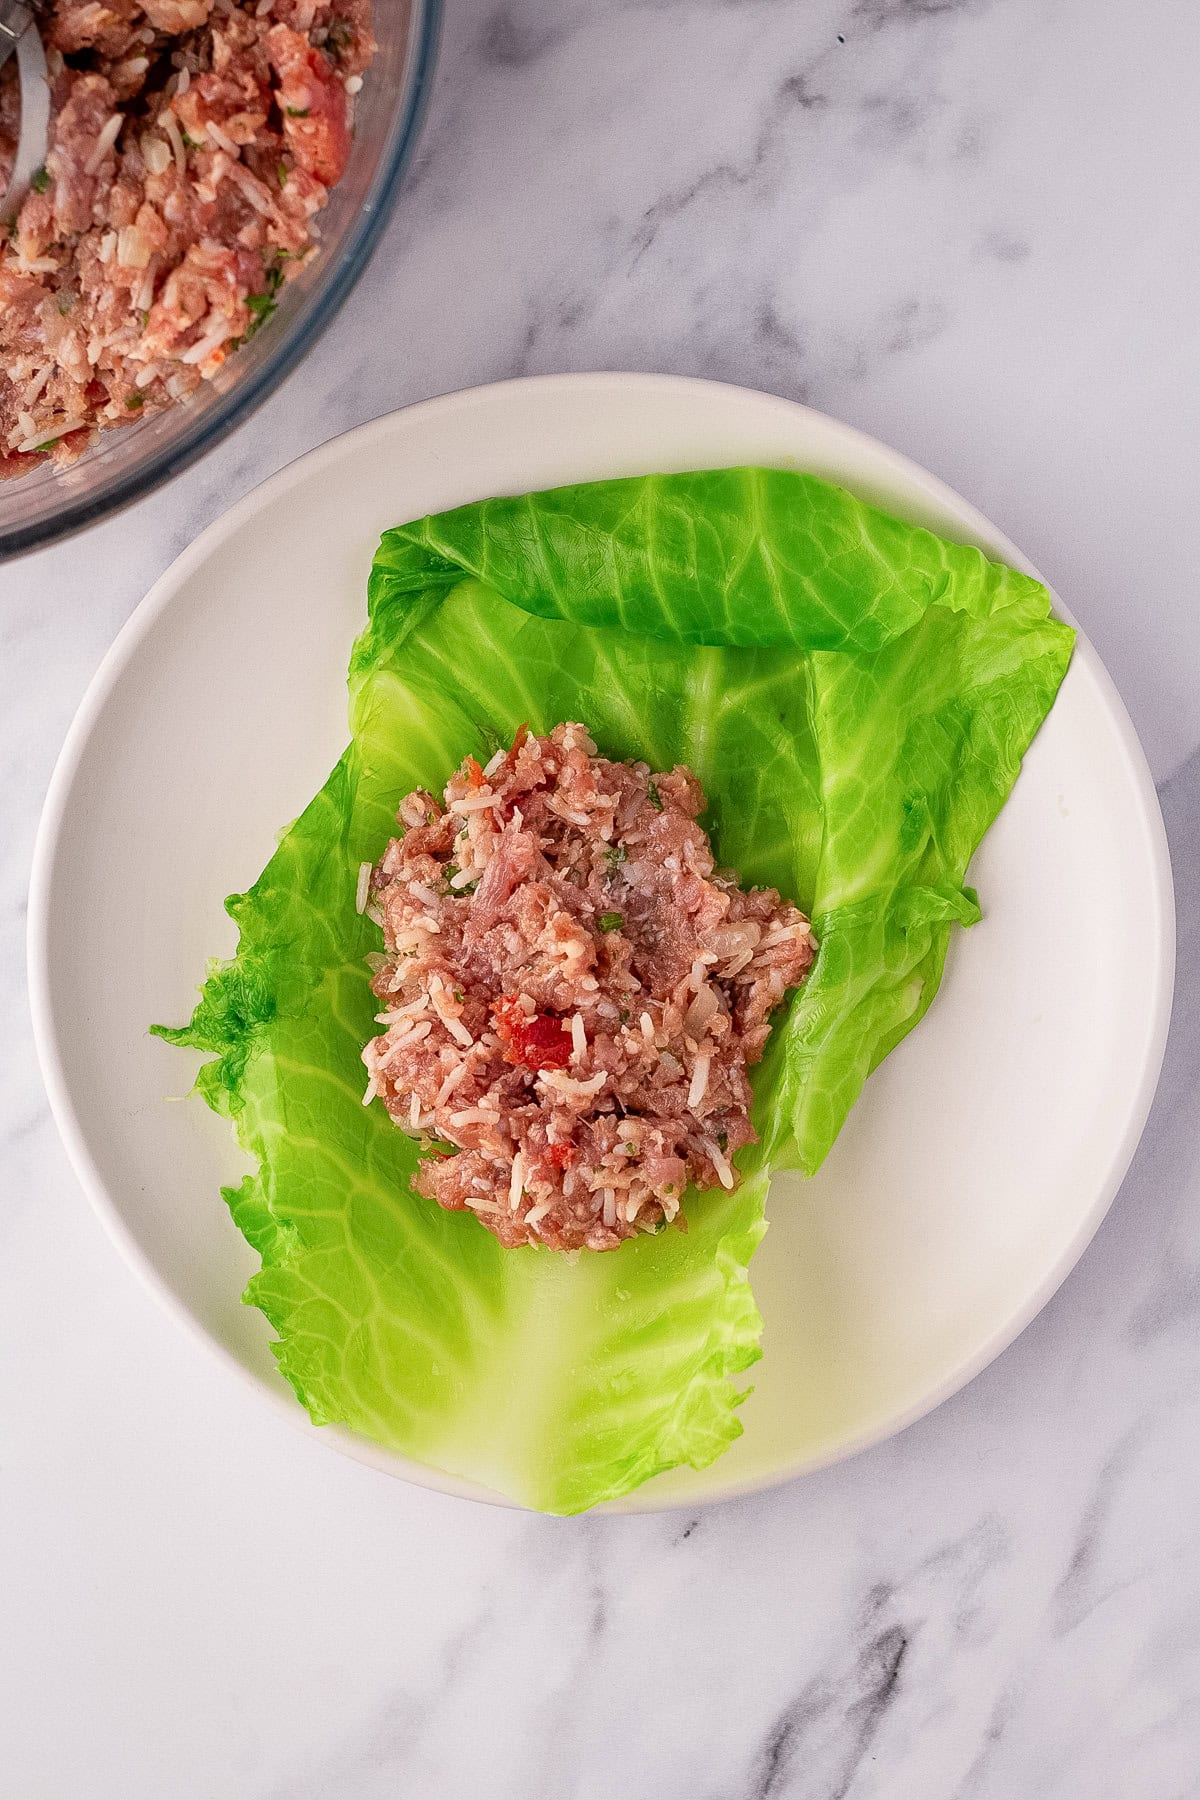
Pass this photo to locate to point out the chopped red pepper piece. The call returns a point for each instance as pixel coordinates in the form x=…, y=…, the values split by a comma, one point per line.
x=540, y=1042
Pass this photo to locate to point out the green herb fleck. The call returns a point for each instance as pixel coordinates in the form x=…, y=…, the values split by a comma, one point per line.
x=616, y=853
x=631, y=1149
x=133, y=401
x=39, y=181
x=723, y=1139
x=655, y=797
x=191, y=143
x=459, y=996
x=624, y=1015
x=296, y=112
x=281, y=171
x=260, y=307
x=611, y=921
x=65, y=303
x=44, y=449
x=144, y=318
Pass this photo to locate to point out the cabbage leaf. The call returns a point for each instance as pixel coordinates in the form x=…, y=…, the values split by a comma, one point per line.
x=855, y=695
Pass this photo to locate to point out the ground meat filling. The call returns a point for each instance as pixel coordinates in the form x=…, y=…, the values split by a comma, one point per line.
x=571, y=993
x=192, y=144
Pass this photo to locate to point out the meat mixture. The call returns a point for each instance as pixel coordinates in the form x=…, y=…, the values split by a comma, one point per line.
x=192, y=144
x=571, y=992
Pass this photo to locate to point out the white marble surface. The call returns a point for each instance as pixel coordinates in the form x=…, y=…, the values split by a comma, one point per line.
x=971, y=229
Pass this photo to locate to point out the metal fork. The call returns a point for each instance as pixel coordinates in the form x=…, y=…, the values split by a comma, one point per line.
x=19, y=34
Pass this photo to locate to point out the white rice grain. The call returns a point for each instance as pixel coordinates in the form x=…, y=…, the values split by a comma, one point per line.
x=207, y=346
x=720, y=1163
x=168, y=124
x=699, y=1085
x=702, y=1011
x=222, y=139
x=454, y=1079
x=453, y=1024
x=516, y=1182
x=110, y=131
x=252, y=189
x=402, y=1012
x=780, y=934
x=569, y=1087
x=474, y=803
x=415, y=1034
x=362, y=891
x=36, y=385
x=579, y=1043
x=49, y=434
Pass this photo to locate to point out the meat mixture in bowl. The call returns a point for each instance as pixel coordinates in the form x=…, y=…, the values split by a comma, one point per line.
x=193, y=143
x=572, y=993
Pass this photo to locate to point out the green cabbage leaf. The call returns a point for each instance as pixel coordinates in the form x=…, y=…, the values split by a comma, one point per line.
x=854, y=693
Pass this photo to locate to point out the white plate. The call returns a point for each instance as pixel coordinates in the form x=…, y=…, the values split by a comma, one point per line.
x=983, y=1153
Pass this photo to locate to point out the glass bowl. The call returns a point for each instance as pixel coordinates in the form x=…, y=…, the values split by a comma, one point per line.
x=128, y=462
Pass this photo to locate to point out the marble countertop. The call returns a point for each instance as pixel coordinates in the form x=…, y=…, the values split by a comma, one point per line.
x=968, y=226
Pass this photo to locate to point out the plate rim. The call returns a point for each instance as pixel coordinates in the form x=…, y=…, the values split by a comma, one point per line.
x=71, y=760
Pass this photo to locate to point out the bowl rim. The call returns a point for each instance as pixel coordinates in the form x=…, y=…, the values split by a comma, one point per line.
x=1160, y=934
x=244, y=398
